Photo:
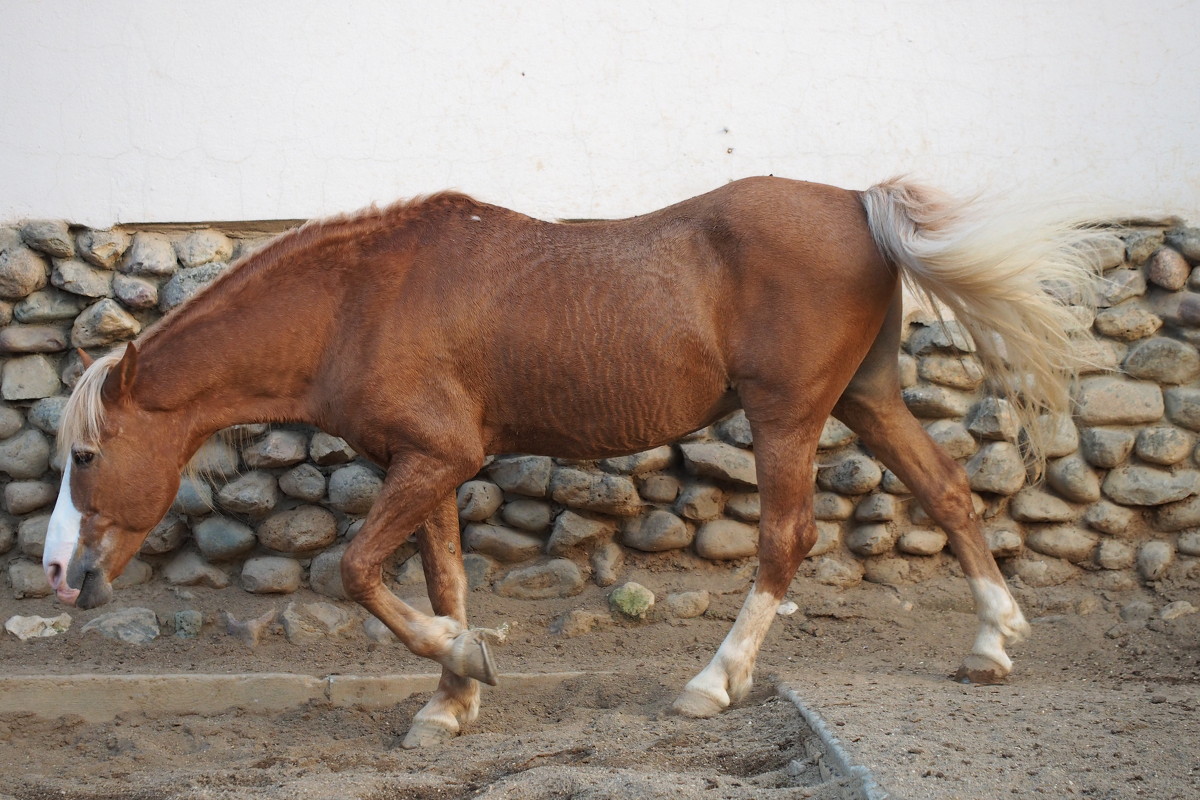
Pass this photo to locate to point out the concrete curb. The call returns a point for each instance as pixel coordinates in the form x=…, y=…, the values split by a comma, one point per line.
x=99, y=698
x=863, y=782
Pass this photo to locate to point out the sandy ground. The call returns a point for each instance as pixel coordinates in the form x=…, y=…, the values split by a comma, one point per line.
x=1084, y=714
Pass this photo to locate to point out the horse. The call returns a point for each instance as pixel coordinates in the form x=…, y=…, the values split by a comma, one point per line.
x=432, y=333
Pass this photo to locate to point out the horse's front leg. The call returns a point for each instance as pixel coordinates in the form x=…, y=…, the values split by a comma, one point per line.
x=418, y=490
x=456, y=701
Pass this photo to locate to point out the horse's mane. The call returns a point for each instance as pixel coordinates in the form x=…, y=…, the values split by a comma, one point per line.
x=83, y=415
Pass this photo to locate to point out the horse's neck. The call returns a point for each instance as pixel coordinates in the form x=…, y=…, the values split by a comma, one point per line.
x=245, y=351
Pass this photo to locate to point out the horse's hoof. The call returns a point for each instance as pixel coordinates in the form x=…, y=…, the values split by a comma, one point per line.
x=469, y=657
x=697, y=704
x=425, y=733
x=981, y=670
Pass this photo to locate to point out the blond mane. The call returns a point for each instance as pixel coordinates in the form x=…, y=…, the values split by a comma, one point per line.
x=83, y=416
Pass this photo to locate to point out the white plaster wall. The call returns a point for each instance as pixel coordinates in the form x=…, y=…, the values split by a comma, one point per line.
x=129, y=110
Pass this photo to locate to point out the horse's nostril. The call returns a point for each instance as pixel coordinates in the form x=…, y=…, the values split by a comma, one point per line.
x=55, y=571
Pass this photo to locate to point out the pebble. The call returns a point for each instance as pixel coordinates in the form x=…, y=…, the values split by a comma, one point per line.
x=1039, y=572
x=29, y=377
x=700, y=502
x=271, y=575
x=528, y=514
x=136, y=573
x=300, y=530
x=993, y=418
x=1074, y=479
x=871, y=540
x=165, y=537
x=478, y=569
x=832, y=506
x=1170, y=611
x=931, y=401
x=655, y=532
x=834, y=434
x=957, y=372
x=1035, y=505
x=1127, y=322
x=632, y=600
x=1115, y=554
x=129, y=625
x=829, y=535
x=725, y=539
x=188, y=623
x=33, y=339
x=557, y=577
x=1003, y=542
x=253, y=494
x=10, y=421
x=478, y=500
x=879, y=507
x=308, y=622
x=1188, y=543
x=27, y=579
x=325, y=573
x=659, y=488
x=578, y=622
x=1105, y=448
x=216, y=458
x=34, y=627
x=250, y=632
x=277, y=449
x=997, y=467
x=787, y=608
x=688, y=605
x=735, y=429
x=947, y=336
x=606, y=561
x=922, y=542
x=854, y=474
x=746, y=506
x=1063, y=541
x=1153, y=559
x=833, y=572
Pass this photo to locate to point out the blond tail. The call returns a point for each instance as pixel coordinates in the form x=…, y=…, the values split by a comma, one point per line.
x=1006, y=273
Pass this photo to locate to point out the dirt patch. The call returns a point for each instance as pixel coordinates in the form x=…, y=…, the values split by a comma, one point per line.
x=1097, y=707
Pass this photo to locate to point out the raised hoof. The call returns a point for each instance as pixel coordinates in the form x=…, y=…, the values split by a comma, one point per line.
x=426, y=734
x=981, y=670
x=469, y=657
x=698, y=705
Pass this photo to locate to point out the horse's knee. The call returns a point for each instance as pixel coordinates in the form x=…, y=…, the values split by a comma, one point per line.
x=359, y=578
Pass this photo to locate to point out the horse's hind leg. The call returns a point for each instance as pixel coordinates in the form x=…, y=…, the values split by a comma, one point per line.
x=456, y=701
x=874, y=409
x=786, y=533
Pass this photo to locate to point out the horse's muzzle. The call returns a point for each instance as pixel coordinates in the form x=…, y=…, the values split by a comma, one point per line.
x=96, y=590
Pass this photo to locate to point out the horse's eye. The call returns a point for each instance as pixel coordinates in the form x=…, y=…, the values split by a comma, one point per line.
x=83, y=457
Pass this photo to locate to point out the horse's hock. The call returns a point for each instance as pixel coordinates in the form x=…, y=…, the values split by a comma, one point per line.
x=271, y=509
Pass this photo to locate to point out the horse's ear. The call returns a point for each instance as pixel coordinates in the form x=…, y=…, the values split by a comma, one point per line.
x=84, y=357
x=119, y=382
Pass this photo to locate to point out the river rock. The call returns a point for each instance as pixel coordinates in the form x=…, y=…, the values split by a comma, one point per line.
x=1104, y=447
x=721, y=461
x=1177, y=516
x=1039, y=571
x=37, y=627
x=223, y=539
x=1162, y=445
x=22, y=272
x=1063, y=541
x=735, y=429
x=49, y=236
x=956, y=372
x=32, y=339
x=254, y=494
x=1035, y=505
x=572, y=530
x=1163, y=361
x=558, y=577
x=590, y=491
x=639, y=463
x=29, y=378
x=31, y=535
x=304, y=482
x=1153, y=559
x=129, y=625
x=700, y=502
x=834, y=572
x=27, y=579
x=854, y=474
x=1188, y=543
x=834, y=434
x=879, y=507
x=606, y=561
x=309, y=622
x=276, y=449
x=921, y=542
x=953, y=437
x=1113, y=401
x=997, y=467
x=216, y=458
x=353, y=489
x=1115, y=554
x=299, y=530
x=203, y=247
x=659, y=488
x=1109, y=518
x=745, y=506
x=528, y=514
x=49, y=305
x=149, y=254
x=478, y=569
x=101, y=248
x=189, y=569
x=501, y=543
x=329, y=451
x=1183, y=406
x=166, y=536
x=725, y=540
x=82, y=279
x=632, y=600
x=831, y=506
x=46, y=414
x=26, y=455
x=1128, y=322
x=1120, y=285
x=1146, y=486
x=271, y=575
x=11, y=421
x=928, y=400
x=1072, y=478
x=1003, y=542
x=871, y=540
x=948, y=336
x=687, y=605
x=21, y=497
x=994, y=418
x=655, y=532
x=478, y=500
x=527, y=475
x=829, y=535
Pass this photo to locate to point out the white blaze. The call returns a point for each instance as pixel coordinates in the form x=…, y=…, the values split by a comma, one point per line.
x=62, y=537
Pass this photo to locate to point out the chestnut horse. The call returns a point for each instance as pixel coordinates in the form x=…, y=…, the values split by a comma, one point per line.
x=432, y=333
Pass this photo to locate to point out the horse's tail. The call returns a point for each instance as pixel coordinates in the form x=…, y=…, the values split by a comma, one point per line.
x=1007, y=273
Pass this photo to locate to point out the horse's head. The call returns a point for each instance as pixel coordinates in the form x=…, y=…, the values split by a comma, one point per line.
x=119, y=479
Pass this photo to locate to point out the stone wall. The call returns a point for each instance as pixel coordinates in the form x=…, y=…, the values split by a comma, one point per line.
x=1120, y=502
